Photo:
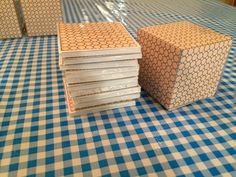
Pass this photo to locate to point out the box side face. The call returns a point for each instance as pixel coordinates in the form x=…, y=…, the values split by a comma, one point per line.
x=9, y=22
x=41, y=17
x=158, y=67
x=199, y=73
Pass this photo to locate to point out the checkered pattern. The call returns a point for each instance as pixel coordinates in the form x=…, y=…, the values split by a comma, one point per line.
x=38, y=139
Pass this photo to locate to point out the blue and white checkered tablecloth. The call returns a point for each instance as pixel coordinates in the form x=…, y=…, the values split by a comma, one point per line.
x=38, y=139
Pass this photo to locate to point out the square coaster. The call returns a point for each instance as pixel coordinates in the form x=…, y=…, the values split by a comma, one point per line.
x=99, y=65
x=106, y=95
x=81, y=76
x=99, y=102
x=92, y=39
x=100, y=58
x=101, y=86
x=73, y=112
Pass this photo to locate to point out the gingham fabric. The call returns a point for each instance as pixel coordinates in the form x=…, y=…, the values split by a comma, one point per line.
x=38, y=139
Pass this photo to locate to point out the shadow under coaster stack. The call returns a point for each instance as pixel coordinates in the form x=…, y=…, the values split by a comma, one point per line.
x=100, y=66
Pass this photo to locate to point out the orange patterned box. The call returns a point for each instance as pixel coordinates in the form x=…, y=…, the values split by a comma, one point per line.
x=182, y=62
x=10, y=19
x=41, y=16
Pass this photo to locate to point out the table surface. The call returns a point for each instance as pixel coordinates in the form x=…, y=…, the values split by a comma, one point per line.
x=38, y=139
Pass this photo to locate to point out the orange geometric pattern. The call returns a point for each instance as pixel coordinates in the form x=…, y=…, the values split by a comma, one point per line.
x=89, y=36
x=182, y=62
x=9, y=20
x=41, y=16
x=185, y=35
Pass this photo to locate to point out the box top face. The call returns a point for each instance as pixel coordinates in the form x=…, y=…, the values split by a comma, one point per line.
x=94, y=36
x=185, y=35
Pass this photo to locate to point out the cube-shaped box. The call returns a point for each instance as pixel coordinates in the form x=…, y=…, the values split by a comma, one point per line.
x=182, y=62
x=41, y=16
x=10, y=19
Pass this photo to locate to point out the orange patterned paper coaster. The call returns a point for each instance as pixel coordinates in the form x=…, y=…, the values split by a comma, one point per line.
x=98, y=65
x=99, y=38
x=78, y=112
x=98, y=87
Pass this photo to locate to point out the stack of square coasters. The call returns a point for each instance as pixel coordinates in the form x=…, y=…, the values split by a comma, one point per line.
x=100, y=66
